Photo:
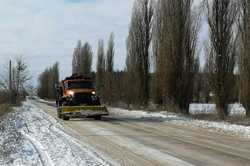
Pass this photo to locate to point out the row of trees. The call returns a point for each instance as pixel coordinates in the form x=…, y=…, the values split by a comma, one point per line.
x=82, y=64
x=162, y=63
x=171, y=28
x=47, y=81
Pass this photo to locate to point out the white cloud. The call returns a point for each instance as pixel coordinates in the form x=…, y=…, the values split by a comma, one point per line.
x=45, y=31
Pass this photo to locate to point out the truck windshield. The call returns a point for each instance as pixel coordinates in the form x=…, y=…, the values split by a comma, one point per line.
x=80, y=85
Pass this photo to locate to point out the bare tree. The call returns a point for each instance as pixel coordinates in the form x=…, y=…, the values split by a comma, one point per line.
x=82, y=59
x=191, y=17
x=86, y=59
x=175, y=28
x=222, y=16
x=109, y=69
x=244, y=62
x=21, y=75
x=43, y=87
x=131, y=74
x=138, y=45
x=110, y=54
x=19, y=79
x=207, y=70
x=197, y=81
x=100, y=68
x=47, y=81
x=53, y=80
x=76, y=58
x=147, y=20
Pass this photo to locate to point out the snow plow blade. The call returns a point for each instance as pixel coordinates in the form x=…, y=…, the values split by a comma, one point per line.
x=82, y=111
x=69, y=109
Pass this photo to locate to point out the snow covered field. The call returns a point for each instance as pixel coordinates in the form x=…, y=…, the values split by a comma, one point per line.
x=178, y=119
x=31, y=137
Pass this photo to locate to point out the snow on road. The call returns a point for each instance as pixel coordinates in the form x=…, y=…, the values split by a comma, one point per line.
x=178, y=119
x=31, y=137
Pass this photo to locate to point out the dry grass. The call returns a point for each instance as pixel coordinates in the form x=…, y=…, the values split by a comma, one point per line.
x=4, y=97
x=240, y=120
x=207, y=117
x=4, y=108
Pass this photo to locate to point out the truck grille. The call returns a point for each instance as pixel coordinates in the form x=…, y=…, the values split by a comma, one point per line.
x=83, y=98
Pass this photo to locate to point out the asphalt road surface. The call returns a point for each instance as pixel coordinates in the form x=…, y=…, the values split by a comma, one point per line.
x=152, y=142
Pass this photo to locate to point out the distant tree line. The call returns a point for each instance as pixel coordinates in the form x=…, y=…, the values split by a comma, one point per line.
x=163, y=56
x=47, y=82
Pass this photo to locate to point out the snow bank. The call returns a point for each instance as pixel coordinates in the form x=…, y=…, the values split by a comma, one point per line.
x=178, y=119
x=233, y=109
x=49, y=102
x=31, y=137
x=135, y=114
x=221, y=127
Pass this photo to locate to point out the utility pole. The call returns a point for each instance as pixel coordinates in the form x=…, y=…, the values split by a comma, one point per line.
x=10, y=83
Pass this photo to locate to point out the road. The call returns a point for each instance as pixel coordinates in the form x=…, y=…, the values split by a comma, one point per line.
x=152, y=142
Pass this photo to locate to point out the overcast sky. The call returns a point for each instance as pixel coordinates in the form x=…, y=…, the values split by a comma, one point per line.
x=46, y=31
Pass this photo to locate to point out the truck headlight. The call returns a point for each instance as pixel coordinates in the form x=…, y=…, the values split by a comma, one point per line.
x=93, y=92
x=71, y=93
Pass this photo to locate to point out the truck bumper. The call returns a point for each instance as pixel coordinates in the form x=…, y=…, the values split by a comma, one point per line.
x=83, y=111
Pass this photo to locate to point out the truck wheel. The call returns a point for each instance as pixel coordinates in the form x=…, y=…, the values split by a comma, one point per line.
x=65, y=118
x=59, y=115
x=97, y=117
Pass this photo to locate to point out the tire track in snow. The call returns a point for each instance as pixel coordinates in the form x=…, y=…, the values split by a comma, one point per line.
x=43, y=156
x=57, y=128
x=81, y=154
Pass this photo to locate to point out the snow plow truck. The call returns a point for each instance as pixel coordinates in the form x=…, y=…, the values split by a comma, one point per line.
x=76, y=98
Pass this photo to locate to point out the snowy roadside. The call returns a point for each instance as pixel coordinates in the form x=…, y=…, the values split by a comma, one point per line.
x=48, y=102
x=195, y=108
x=178, y=119
x=31, y=137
